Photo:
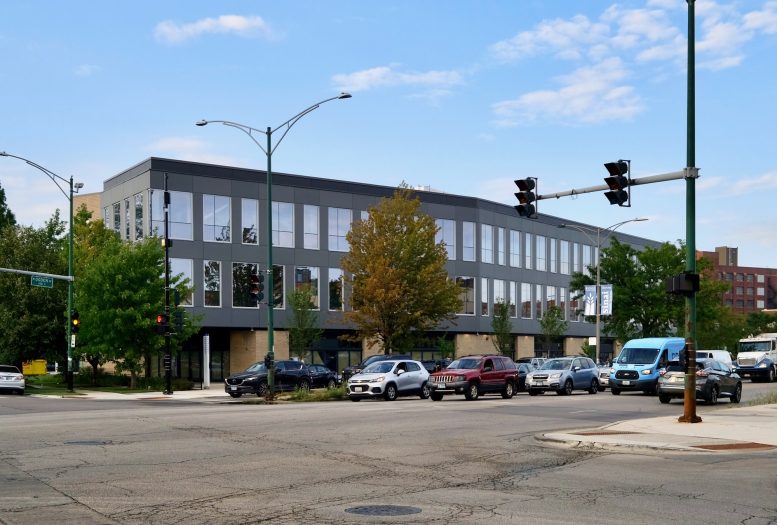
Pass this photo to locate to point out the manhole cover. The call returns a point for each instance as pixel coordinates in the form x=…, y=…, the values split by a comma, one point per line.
x=383, y=510
x=87, y=442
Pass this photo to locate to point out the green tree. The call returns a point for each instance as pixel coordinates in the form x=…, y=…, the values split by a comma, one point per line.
x=446, y=347
x=501, y=327
x=552, y=325
x=303, y=325
x=33, y=318
x=7, y=217
x=397, y=272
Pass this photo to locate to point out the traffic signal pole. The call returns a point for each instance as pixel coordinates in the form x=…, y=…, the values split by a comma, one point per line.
x=168, y=359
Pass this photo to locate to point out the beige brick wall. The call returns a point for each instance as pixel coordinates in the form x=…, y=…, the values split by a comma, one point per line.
x=248, y=347
x=469, y=344
x=524, y=346
x=92, y=202
x=574, y=345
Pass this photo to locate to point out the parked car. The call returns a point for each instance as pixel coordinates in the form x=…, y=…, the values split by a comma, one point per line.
x=289, y=375
x=322, y=377
x=390, y=379
x=604, y=377
x=536, y=362
x=714, y=379
x=435, y=365
x=355, y=369
x=724, y=356
x=11, y=379
x=475, y=375
x=523, y=370
x=563, y=375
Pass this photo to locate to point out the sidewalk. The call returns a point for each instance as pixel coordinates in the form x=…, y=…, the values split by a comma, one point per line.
x=214, y=393
x=726, y=430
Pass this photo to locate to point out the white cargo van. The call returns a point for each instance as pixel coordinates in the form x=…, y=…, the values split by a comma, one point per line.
x=718, y=355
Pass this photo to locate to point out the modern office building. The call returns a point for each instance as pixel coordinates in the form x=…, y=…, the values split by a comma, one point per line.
x=217, y=223
x=751, y=289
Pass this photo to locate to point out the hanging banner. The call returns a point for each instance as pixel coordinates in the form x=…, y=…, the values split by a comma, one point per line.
x=606, y=299
x=590, y=300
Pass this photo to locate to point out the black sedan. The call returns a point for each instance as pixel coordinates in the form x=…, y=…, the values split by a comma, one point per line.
x=322, y=377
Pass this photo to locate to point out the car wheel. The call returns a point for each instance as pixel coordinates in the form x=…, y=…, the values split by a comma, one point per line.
x=331, y=384
x=425, y=391
x=664, y=398
x=473, y=392
x=712, y=399
x=235, y=394
x=391, y=392
x=770, y=377
x=509, y=390
x=435, y=396
x=566, y=389
x=304, y=385
x=615, y=391
x=737, y=397
x=262, y=389
x=594, y=387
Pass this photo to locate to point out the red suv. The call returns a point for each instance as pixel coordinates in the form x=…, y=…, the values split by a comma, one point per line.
x=474, y=375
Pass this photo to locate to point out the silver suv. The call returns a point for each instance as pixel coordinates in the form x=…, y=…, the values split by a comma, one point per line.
x=564, y=374
x=390, y=379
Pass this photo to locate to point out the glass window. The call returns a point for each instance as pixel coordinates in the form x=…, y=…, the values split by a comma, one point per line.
x=365, y=215
x=279, y=287
x=335, y=289
x=553, y=258
x=500, y=295
x=760, y=278
x=538, y=301
x=574, y=306
x=127, y=220
x=550, y=296
x=513, y=299
x=339, y=225
x=107, y=217
x=212, y=283
x=467, y=295
x=180, y=215
x=564, y=257
x=249, y=216
x=484, y=297
x=138, y=216
x=525, y=300
x=216, y=218
x=562, y=302
x=311, y=227
x=575, y=257
x=515, y=249
x=760, y=304
x=588, y=259
x=749, y=291
x=527, y=251
x=542, y=261
x=740, y=277
x=241, y=285
x=468, y=241
x=117, y=217
x=283, y=224
x=500, y=246
x=307, y=276
x=761, y=290
x=487, y=243
x=446, y=233
x=739, y=290
x=182, y=267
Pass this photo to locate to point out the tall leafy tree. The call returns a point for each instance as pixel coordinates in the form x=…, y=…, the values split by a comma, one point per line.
x=303, y=325
x=7, y=217
x=501, y=326
x=397, y=272
x=553, y=326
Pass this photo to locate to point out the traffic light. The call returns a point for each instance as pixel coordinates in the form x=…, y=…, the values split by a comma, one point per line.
x=75, y=322
x=161, y=324
x=618, y=182
x=257, y=286
x=526, y=196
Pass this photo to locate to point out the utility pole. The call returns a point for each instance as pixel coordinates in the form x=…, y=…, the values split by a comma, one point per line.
x=168, y=359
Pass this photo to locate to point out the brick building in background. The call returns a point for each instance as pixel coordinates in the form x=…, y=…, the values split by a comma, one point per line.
x=751, y=289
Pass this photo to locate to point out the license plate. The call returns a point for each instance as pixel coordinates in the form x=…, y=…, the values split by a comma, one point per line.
x=233, y=387
x=440, y=385
x=539, y=383
x=361, y=388
x=627, y=382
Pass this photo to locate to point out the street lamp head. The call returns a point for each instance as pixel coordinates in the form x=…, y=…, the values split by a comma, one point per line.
x=344, y=95
x=78, y=185
x=3, y=154
x=201, y=123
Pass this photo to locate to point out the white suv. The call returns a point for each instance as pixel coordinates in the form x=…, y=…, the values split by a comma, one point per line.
x=390, y=379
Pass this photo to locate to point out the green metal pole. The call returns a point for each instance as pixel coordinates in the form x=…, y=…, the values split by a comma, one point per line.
x=270, y=286
x=70, y=295
x=689, y=412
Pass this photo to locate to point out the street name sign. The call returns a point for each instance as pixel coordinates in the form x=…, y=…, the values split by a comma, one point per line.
x=42, y=281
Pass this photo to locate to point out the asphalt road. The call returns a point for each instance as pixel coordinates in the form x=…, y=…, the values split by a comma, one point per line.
x=448, y=462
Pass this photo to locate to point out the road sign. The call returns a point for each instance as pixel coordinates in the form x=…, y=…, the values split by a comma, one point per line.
x=42, y=281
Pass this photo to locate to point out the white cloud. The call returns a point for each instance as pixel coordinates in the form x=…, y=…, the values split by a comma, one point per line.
x=765, y=182
x=590, y=94
x=388, y=76
x=765, y=20
x=245, y=26
x=85, y=70
x=187, y=148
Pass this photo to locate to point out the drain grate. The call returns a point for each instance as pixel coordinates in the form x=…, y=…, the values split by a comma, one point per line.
x=383, y=510
x=735, y=446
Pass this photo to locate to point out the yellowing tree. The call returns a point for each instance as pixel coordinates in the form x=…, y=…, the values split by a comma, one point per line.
x=397, y=273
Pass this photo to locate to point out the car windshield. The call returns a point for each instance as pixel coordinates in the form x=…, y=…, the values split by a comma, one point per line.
x=379, y=368
x=557, y=364
x=256, y=367
x=637, y=356
x=464, y=364
x=754, y=346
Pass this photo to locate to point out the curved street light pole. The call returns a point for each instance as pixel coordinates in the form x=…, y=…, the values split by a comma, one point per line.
x=585, y=231
x=69, y=195
x=268, y=150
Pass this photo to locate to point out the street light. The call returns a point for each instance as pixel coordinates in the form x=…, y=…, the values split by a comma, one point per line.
x=268, y=151
x=585, y=231
x=74, y=187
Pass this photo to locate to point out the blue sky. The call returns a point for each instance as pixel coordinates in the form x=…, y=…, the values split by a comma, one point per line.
x=462, y=96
